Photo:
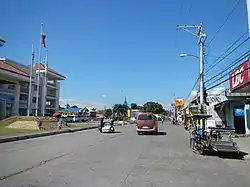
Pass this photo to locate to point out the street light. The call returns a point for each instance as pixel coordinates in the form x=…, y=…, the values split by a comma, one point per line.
x=201, y=78
x=185, y=55
x=2, y=42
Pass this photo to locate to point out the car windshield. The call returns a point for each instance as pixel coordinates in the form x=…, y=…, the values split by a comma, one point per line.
x=145, y=117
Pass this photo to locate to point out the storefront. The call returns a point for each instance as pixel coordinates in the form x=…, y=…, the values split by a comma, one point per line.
x=237, y=114
x=218, y=114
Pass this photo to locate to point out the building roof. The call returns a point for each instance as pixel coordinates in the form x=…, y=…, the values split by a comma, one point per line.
x=12, y=67
x=38, y=66
x=21, y=69
x=70, y=109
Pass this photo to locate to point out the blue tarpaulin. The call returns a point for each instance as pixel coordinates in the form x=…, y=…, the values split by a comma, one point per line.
x=70, y=109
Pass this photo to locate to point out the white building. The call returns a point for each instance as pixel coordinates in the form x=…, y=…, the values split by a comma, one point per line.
x=14, y=89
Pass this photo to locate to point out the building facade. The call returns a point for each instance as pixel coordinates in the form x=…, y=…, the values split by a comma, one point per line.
x=14, y=89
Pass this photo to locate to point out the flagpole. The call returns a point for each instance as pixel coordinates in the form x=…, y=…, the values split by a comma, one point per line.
x=30, y=81
x=38, y=76
x=45, y=82
x=248, y=15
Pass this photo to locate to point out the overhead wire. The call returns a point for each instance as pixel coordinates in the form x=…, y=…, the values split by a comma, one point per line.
x=224, y=22
x=195, y=84
x=227, y=79
x=223, y=56
x=237, y=61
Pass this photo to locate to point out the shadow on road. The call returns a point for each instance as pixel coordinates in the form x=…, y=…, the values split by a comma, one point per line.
x=112, y=132
x=239, y=156
x=157, y=134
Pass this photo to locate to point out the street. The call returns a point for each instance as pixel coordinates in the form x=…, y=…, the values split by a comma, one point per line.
x=121, y=159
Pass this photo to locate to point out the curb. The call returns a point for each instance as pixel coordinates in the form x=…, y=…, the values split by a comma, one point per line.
x=242, y=136
x=31, y=136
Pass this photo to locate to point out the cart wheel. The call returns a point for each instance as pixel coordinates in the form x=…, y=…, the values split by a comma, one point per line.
x=201, y=151
x=112, y=129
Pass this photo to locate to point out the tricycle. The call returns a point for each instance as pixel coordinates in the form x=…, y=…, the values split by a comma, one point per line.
x=212, y=139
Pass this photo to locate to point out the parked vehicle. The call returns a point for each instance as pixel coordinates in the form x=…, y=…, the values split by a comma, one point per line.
x=146, y=122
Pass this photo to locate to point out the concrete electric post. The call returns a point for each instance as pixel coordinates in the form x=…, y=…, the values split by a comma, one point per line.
x=201, y=40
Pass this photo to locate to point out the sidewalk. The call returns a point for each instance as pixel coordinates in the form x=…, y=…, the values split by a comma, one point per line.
x=5, y=139
x=244, y=145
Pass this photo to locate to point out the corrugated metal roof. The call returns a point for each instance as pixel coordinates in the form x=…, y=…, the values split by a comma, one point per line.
x=70, y=109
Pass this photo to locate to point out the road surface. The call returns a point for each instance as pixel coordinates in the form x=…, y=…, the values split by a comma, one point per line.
x=124, y=159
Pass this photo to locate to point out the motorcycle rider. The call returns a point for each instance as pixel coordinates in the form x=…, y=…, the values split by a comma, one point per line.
x=101, y=124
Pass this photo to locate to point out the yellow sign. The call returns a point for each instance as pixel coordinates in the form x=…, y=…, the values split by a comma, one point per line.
x=178, y=102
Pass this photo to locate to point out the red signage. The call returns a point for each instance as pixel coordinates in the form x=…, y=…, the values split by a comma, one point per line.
x=239, y=76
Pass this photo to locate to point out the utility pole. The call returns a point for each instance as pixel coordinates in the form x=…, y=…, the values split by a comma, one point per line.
x=201, y=40
x=248, y=15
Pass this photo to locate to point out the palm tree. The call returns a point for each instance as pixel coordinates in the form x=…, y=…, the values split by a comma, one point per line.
x=120, y=110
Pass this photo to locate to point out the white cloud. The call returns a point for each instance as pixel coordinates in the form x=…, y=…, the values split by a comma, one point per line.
x=103, y=95
x=83, y=103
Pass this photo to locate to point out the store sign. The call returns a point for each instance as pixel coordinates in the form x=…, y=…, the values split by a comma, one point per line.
x=239, y=77
x=178, y=102
x=214, y=99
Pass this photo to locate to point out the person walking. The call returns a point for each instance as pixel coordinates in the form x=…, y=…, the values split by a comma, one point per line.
x=59, y=123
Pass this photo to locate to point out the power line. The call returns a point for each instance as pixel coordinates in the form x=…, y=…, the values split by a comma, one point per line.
x=238, y=60
x=195, y=84
x=217, y=62
x=225, y=21
x=238, y=39
x=227, y=79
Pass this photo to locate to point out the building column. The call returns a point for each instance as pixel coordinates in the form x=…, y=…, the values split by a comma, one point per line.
x=15, y=106
x=43, y=95
x=57, y=95
x=2, y=109
x=247, y=118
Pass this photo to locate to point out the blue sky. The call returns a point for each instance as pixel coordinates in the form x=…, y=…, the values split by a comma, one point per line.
x=104, y=47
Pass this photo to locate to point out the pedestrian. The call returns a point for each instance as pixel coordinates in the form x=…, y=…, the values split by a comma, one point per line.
x=59, y=122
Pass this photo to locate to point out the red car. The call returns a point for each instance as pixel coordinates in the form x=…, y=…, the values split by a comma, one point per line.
x=146, y=122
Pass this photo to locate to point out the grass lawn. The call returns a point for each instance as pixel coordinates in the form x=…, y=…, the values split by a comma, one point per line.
x=79, y=125
x=11, y=131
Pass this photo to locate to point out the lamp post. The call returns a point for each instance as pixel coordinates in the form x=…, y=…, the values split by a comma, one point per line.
x=201, y=78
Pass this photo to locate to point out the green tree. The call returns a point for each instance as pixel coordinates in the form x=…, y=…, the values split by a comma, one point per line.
x=60, y=107
x=133, y=106
x=74, y=106
x=108, y=112
x=153, y=107
x=120, y=109
x=67, y=106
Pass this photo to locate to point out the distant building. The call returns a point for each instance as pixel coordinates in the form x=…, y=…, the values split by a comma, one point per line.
x=14, y=89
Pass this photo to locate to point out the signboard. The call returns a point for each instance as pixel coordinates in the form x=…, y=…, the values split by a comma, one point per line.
x=215, y=99
x=239, y=76
x=178, y=102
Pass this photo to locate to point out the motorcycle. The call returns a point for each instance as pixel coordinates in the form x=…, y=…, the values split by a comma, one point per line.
x=107, y=127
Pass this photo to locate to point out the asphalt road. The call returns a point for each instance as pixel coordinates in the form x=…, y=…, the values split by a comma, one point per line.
x=124, y=159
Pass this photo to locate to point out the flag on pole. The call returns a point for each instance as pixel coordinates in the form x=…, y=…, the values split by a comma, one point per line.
x=43, y=40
